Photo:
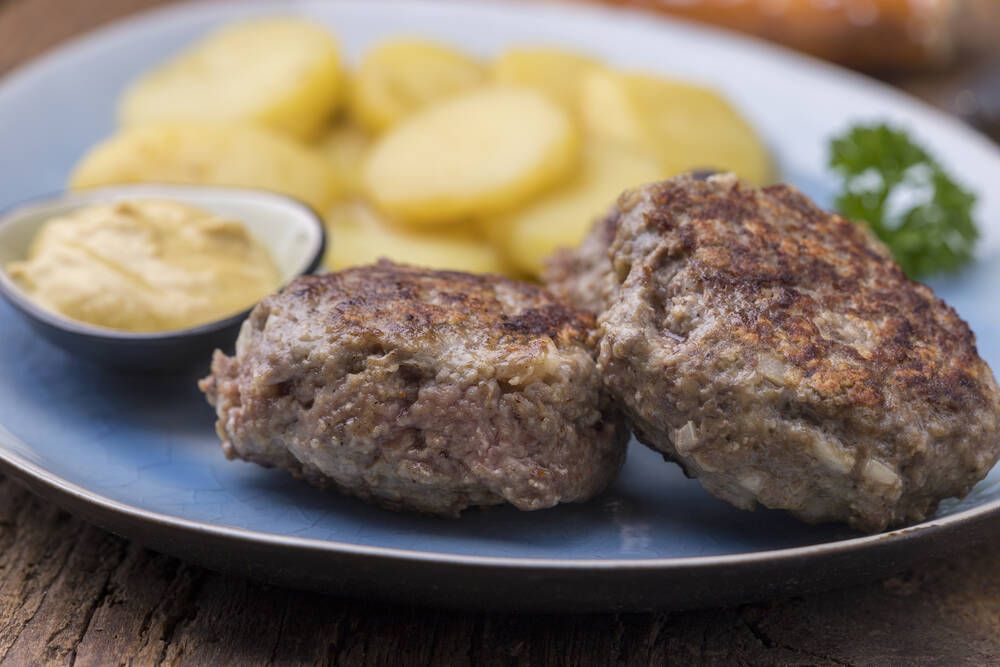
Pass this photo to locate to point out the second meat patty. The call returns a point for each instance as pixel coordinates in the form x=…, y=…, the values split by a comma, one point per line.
x=780, y=356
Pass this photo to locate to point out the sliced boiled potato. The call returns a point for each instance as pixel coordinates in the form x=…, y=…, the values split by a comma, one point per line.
x=398, y=77
x=609, y=111
x=563, y=217
x=689, y=126
x=209, y=154
x=359, y=235
x=555, y=72
x=283, y=73
x=485, y=151
x=345, y=148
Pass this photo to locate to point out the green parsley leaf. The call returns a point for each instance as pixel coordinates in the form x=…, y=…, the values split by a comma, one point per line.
x=906, y=198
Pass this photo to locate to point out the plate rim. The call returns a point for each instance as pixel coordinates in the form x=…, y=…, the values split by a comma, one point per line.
x=19, y=464
x=13, y=462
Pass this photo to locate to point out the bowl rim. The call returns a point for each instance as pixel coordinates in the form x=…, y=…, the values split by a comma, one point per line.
x=26, y=305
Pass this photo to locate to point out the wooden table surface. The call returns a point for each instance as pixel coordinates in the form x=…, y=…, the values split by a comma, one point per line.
x=73, y=594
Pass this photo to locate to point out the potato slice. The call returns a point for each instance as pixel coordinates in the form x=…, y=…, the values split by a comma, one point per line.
x=399, y=77
x=609, y=111
x=563, y=218
x=689, y=127
x=209, y=154
x=345, y=148
x=280, y=72
x=483, y=152
x=555, y=72
x=359, y=235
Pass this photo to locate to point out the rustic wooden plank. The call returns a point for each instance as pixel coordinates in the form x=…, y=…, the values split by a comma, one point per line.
x=234, y=622
x=312, y=629
x=69, y=598
x=943, y=611
x=37, y=543
x=148, y=596
x=30, y=27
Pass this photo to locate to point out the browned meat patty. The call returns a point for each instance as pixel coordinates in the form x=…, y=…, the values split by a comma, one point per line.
x=780, y=356
x=419, y=389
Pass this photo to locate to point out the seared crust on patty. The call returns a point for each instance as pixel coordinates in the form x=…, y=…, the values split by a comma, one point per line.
x=419, y=389
x=396, y=300
x=779, y=354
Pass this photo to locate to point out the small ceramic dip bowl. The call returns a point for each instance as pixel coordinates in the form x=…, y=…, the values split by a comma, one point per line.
x=291, y=231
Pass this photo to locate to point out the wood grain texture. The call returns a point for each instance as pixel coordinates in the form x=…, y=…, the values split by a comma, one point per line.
x=71, y=594
x=74, y=595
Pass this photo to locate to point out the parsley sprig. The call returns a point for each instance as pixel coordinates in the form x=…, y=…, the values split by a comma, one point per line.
x=906, y=198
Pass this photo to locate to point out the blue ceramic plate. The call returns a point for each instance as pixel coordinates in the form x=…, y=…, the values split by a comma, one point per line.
x=137, y=453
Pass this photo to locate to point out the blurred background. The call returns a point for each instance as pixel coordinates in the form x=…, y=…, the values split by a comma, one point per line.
x=945, y=51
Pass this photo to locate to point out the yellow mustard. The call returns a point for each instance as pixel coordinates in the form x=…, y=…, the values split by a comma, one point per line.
x=145, y=266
